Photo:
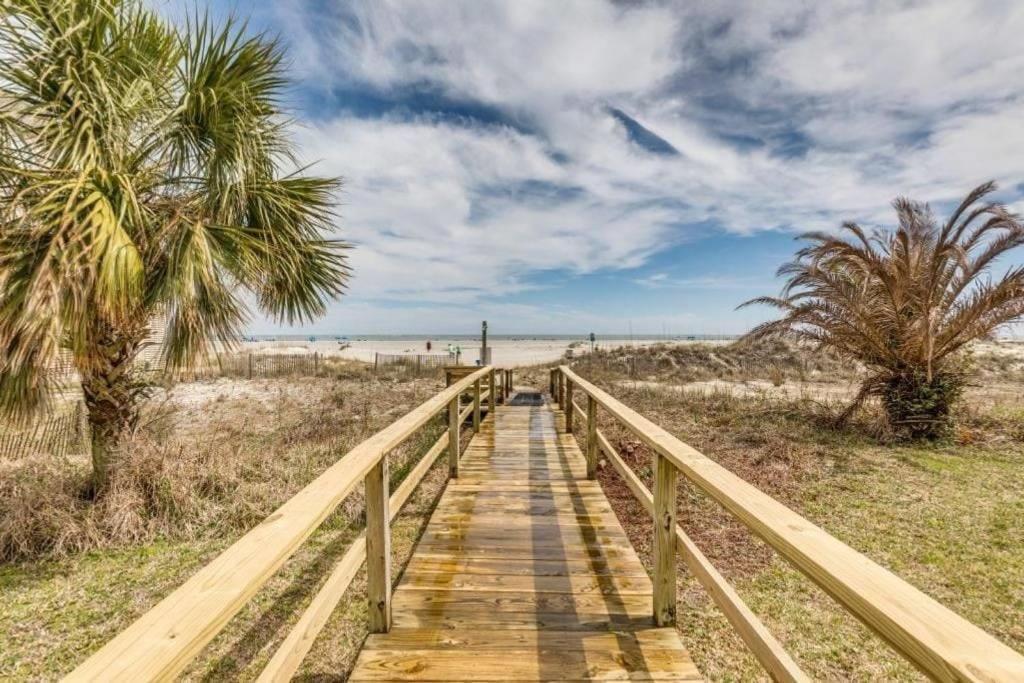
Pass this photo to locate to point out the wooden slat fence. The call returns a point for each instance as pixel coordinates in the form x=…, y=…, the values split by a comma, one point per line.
x=59, y=435
x=414, y=362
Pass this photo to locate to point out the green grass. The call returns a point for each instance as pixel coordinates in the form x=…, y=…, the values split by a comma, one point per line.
x=54, y=610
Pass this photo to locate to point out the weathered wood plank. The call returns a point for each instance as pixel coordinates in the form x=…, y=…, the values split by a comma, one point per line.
x=476, y=406
x=453, y=438
x=580, y=662
x=664, y=552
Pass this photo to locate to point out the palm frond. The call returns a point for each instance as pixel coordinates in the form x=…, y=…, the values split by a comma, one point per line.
x=906, y=300
x=146, y=169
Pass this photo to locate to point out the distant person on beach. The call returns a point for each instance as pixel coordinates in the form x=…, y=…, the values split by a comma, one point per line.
x=429, y=346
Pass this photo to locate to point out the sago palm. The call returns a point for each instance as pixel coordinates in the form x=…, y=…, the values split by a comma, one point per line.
x=145, y=174
x=905, y=302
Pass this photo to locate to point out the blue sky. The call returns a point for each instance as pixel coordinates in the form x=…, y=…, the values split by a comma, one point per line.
x=582, y=165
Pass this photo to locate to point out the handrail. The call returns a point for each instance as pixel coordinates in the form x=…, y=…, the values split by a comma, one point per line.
x=161, y=642
x=934, y=638
x=762, y=644
x=296, y=645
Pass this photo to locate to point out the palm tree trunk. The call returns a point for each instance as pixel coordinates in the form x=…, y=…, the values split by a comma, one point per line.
x=920, y=405
x=111, y=395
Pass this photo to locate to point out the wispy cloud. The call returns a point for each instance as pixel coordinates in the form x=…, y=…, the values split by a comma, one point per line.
x=665, y=281
x=485, y=141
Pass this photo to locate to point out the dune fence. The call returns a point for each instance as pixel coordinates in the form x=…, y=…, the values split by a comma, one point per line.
x=251, y=365
x=60, y=435
x=413, y=362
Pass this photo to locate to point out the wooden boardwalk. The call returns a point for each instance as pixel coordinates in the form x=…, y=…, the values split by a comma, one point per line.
x=524, y=573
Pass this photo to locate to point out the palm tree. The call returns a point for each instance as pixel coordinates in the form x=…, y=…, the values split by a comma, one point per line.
x=905, y=303
x=141, y=179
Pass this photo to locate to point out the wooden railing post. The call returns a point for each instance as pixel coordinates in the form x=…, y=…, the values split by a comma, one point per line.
x=591, y=437
x=492, y=396
x=561, y=390
x=378, y=547
x=508, y=383
x=453, y=438
x=476, y=406
x=664, y=541
x=567, y=406
x=551, y=384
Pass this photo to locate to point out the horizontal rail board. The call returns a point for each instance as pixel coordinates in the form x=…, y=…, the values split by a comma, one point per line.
x=934, y=638
x=161, y=642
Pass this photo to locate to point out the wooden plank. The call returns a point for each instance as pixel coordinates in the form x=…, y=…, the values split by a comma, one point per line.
x=476, y=406
x=494, y=393
x=488, y=603
x=591, y=437
x=413, y=579
x=664, y=551
x=423, y=563
x=378, y=548
x=453, y=438
x=595, y=664
x=937, y=640
x=472, y=619
x=419, y=639
x=160, y=643
x=568, y=402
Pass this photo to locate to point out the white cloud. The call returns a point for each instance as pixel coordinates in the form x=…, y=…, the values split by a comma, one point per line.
x=911, y=98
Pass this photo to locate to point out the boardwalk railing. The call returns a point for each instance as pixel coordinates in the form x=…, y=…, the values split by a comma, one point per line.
x=166, y=638
x=939, y=642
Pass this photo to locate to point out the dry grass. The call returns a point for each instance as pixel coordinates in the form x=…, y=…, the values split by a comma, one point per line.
x=206, y=469
x=948, y=517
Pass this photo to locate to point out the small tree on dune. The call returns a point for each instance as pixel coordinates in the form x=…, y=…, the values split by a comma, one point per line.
x=905, y=302
x=142, y=178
